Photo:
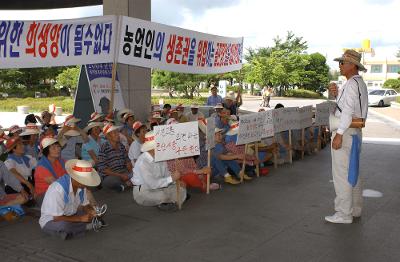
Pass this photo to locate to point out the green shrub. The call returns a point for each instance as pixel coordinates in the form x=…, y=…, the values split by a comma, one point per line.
x=398, y=99
x=37, y=104
x=392, y=83
x=176, y=101
x=301, y=93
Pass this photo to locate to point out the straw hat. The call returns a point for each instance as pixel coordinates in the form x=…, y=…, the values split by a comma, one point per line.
x=230, y=96
x=11, y=143
x=217, y=130
x=126, y=116
x=91, y=125
x=47, y=141
x=194, y=106
x=136, y=125
x=109, y=128
x=353, y=57
x=30, y=129
x=71, y=119
x=149, y=142
x=83, y=172
x=122, y=112
x=156, y=115
x=3, y=136
x=233, y=128
x=219, y=106
x=180, y=107
x=171, y=121
x=71, y=132
x=14, y=129
x=95, y=116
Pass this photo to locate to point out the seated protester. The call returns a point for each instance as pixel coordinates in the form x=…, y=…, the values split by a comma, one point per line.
x=180, y=117
x=194, y=113
x=231, y=103
x=222, y=121
x=6, y=177
x=14, y=131
x=66, y=211
x=20, y=165
x=32, y=119
x=134, y=150
x=128, y=119
x=71, y=138
x=3, y=138
x=90, y=149
x=166, y=111
x=221, y=161
x=154, y=183
x=113, y=164
x=202, y=159
x=282, y=140
x=30, y=139
x=218, y=109
x=49, y=168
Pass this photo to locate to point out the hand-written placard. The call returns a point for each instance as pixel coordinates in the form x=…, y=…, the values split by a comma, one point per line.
x=305, y=117
x=322, y=114
x=267, y=129
x=285, y=119
x=176, y=141
x=210, y=138
x=249, y=129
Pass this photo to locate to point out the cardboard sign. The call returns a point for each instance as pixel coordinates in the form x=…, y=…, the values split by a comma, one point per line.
x=249, y=128
x=322, y=111
x=210, y=136
x=285, y=119
x=152, y=45
x=176, y=141
x=99, y=76
x=267, y=122
x=57, y=43
x=305, y=117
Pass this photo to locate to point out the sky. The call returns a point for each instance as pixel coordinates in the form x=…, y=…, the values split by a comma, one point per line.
x=327, y=26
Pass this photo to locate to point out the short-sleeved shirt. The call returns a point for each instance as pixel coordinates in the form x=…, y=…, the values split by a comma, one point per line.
x=22, y=168
x=135, y=151
x=115, y=159
x=41, y=173
x=90, y=145
x=68, y=152
x=214, y=100
x=54, y=204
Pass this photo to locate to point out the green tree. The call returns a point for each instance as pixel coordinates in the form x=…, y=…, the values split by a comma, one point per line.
x=69, y=78
x=315, y=76
x=392, y=83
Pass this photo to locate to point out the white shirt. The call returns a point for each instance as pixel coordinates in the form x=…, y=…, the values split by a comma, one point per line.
x=348, y=100
x=150, y=174
x=69, y=150
x=134, y=151
x=192, y=117
x=53, y=203
x=22, y=169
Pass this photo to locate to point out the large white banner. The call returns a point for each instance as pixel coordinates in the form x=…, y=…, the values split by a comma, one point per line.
x=285, y=119
x=153, y=45
x=249, y=128
x=25, y=44
x=99, y=77
x=267, y=122
x=176, y=141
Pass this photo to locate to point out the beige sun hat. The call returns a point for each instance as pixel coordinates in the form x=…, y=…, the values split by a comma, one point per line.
x=95, y=116
x=91, y=125
x=233, y=128
x=71, y=119
x=194, y=106
x=14, y=129
x=83, y=172
x=47, y=141
x=219, y=106
x=149, y=142
x=230, y=95
x=30, y=129
x=71, y=132
x=109, y=128
x=122, y=112
x=353, y=57
x=217, y=130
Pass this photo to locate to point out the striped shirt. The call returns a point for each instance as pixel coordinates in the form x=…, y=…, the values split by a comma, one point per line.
x=115, y=159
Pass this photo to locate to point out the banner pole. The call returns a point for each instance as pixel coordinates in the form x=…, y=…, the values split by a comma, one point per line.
x=243, y=165
x=113, y=75
x=258, y=165
x=208, y=174
x=302, y=143
x=290, y=147
x=319, y=139
x=274, y=152
x=178, y=188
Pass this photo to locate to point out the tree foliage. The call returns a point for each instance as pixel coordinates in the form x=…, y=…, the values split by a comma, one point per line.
x=392, y=83
x=69, y=78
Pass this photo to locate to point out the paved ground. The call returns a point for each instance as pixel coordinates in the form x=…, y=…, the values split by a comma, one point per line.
x=274, y=218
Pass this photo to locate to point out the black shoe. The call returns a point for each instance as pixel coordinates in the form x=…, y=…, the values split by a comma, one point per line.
x=169, y=207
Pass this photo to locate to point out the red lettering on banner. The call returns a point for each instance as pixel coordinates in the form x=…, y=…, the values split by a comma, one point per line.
x=170, y=48
x=202, y=53
x=186, y=48
x=44, y=32
x=31, y=38
x=178, y=50
x=54, y=37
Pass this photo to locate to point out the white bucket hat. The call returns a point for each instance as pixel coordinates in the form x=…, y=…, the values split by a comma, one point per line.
x=149, y=142
x=30, y=129
x=71, y=132
x=95, y=116
x=83, y=172
x=230, y=96
x=233, y=128
x=219, y=106
x=109, y=128
x=71, y=119
x=121, y=113
x=91, y=125
x=217, y=130
x=47, y=141
x=194, y=106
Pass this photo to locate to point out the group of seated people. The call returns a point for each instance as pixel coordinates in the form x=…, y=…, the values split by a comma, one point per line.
x=57, y=167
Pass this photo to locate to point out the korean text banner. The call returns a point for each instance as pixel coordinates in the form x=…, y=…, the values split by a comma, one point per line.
x=57, y=43
x=152, y=45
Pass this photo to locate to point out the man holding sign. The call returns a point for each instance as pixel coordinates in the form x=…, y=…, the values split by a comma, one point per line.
x=352, y=105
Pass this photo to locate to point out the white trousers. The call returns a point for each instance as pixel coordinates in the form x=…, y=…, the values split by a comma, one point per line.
x=154, y=197
x=348, y=199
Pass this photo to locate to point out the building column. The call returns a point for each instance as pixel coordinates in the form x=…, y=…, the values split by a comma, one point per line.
x=135, y=81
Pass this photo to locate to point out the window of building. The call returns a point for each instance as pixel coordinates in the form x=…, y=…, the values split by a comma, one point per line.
x=376, y=68
x=393, y=68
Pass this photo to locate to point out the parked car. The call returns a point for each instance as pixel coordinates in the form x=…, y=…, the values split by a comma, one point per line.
x=381, y=97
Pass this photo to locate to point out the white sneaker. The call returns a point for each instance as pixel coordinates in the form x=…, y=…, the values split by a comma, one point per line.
x=337, y=218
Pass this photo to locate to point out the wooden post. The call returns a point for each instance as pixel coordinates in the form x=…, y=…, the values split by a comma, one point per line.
x=258, y=165
x=302, y=143
x=243, y=165
x=178, y=188
x=113, y=75
x=275, y=153
x=290, y=147
x=319, y=139
x=208, y=175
